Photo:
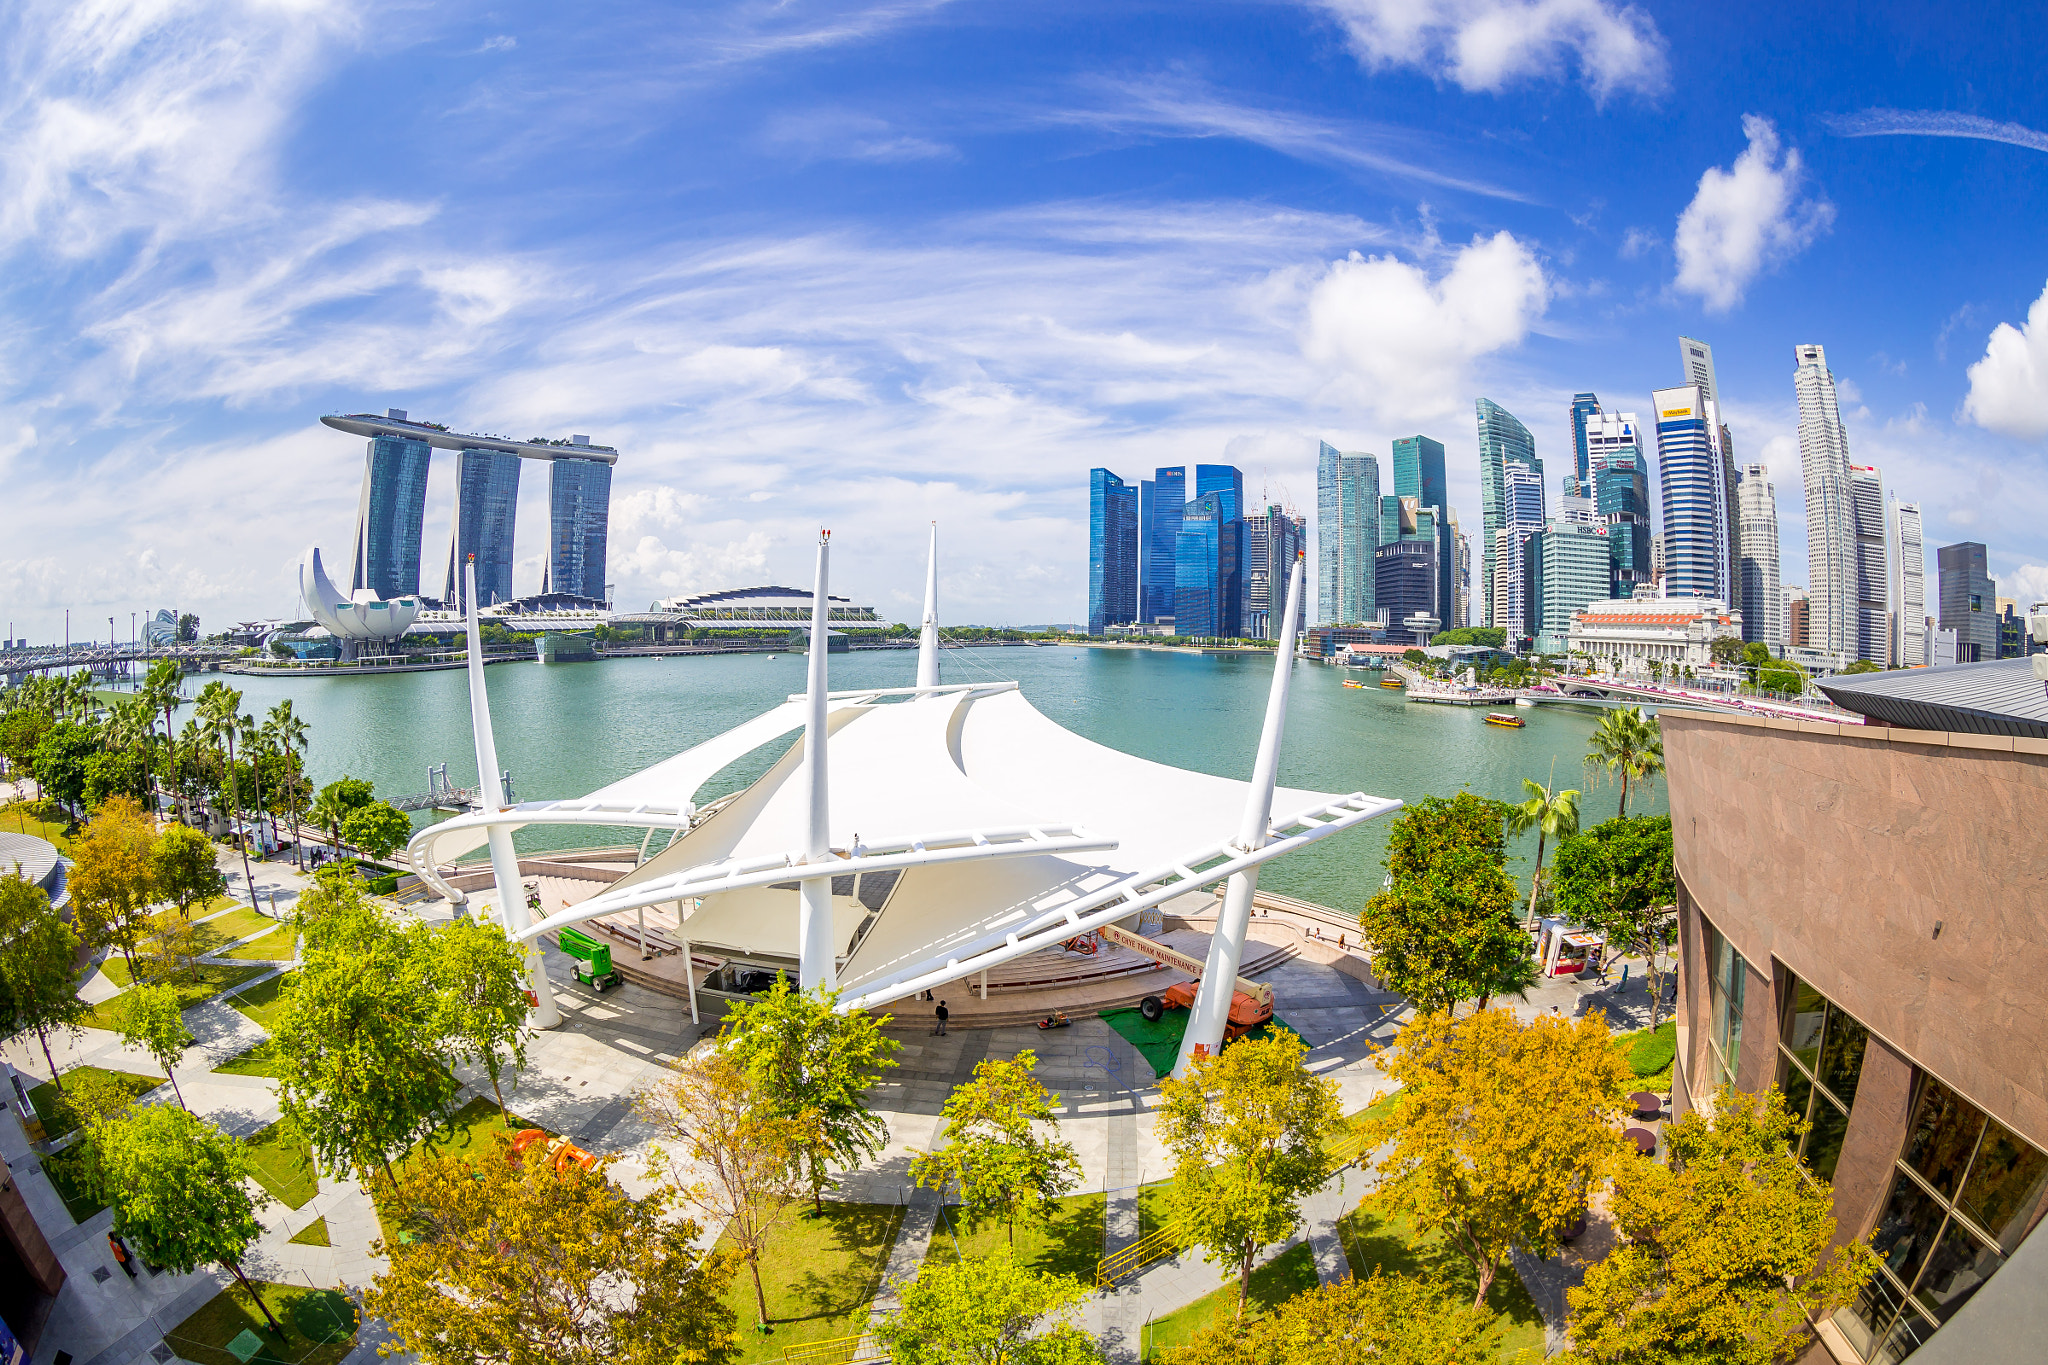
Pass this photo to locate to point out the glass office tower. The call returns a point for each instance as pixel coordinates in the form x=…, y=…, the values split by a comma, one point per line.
x=1112, y=551
x=1347, y=535
x=1207, y=592
x=1419, y=474
x=1699, y=556
x=389, y=517
x=1585, y=409
x=579, y=518
x=1160, y=499
x=1618, y=474
x=486, y=509
x=1503, y=440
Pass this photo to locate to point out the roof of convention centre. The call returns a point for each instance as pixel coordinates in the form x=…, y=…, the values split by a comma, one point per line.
x=2000, y=697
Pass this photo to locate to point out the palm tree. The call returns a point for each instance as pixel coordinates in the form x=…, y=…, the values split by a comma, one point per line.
x=219, y=723
x=1552, y=814
x=1625, y=742
x=160, y=690
x=288, y=733
x=255, y=743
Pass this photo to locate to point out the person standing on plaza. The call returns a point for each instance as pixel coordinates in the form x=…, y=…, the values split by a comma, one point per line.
x=942, y=1013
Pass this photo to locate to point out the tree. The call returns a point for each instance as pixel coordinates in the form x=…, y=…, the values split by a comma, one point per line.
x=1552, y=814
x=112, y=882
x=1724, y=1252
x=1414, y=656
x=182, y=865
x=521, y=1263
x=1246, y=1130
x=335, y=802
x=1726, y=650
x=377, y=828
x=1781, y=678
x=188, y=628
x=219, y=723
x=1626, y=743
x=993, y=1154
x=359, y=1044
x=1490, y=636
x=149, y=1017
x=60, y=758
x=288, y=733
x=482, y=979
x=179, y=1188
x=1617, y=878
x=38, y=964
x=1863, y=666
x=159, y=692
x=809, y=1059
x=716, y=1122
x=1444, y=928
x=1389, y=1320
x=1500, y=1129
x=1755, y=655
x=117, y=772
x=21, y=730
x=986, y=1311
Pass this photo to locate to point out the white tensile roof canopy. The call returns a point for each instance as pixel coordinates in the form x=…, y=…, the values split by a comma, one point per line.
x=961, y=828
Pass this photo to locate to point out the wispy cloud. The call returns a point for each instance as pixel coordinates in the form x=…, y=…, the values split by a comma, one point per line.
x=1171, y=106
x=1488, y=45
x=1935, y=123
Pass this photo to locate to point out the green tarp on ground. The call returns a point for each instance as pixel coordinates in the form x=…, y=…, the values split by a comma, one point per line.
x=1159, y=1043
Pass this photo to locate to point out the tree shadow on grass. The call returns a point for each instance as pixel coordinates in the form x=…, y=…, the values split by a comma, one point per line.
x=1375, y=1240
x=855, y=1240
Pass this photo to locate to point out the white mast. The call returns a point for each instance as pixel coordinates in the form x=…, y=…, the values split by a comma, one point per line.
x=491, y=796
x=928, y=637
x=817, y=961
x=1210, y=1013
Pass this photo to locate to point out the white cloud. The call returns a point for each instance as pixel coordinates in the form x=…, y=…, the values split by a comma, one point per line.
x=1404, y=343
x=502, y=42
x=1936, y=123
x=2026, y=585
x=1745, y=221
x=1639, y=242
x=2009, y=386
x=1491, y=44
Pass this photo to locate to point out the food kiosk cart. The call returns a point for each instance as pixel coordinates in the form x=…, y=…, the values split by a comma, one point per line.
x=1565, y=949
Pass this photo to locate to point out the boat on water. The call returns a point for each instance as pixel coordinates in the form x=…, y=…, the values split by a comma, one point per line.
x=1395, y=683
x=1512, y=722
x=1351, y=682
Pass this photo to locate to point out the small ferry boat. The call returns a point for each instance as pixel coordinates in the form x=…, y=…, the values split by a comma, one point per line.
x=1352, y=682
x=1395, y=683
x=1503, y=718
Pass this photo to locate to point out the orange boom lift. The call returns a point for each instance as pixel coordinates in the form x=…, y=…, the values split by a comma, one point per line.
x=1251, y=1004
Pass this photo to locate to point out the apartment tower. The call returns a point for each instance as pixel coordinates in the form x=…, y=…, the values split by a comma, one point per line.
x=1830, y=507
x=1762, y=599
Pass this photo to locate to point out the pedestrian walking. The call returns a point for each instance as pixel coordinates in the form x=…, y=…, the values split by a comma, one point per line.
x=942, y=1013
x=121, y=1256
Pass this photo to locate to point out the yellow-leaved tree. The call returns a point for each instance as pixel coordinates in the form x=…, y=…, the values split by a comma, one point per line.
x=1388, y=1320
x=524, y=1264
x=1500, y=1129
x=112, y=879
x=1711, y=1243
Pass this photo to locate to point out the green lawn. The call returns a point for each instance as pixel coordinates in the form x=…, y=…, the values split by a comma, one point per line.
x=208, y=981
x=257, y=1061
x=63, y=1172
x=820, y=1274
x=282, y=1162
x=1069, y=1242
x=319, y=1328
x=45, y=1097
x=16, y=818
x=1280, y=1279
x=314, y=1234
x=276, y=946
x=220, y=929
x=1158, y=1041
x=1650, y=1054
x=473, y=1134
x=1374, y=1240
x=264, y=1002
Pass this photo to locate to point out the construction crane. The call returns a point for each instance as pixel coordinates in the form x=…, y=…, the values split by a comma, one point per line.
x=1251, y=1003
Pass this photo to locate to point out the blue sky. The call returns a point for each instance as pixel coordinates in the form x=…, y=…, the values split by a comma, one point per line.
x=870, y=264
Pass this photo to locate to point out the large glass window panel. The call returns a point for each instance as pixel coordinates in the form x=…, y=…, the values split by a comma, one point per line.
x=1824, y=1142
x=1958, y=1268
x=1805, y=1012
x=1905, y=1230
x=1841, y=1056
x=2005, y=1184
x=1798, y=1091
x=1909, y=1333
x=1868, y=1320
x=1944, y=1134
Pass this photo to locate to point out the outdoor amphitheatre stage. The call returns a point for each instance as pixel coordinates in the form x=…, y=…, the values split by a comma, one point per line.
x=936, y=839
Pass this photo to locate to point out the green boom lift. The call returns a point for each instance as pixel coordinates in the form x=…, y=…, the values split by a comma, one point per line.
x=594, y=960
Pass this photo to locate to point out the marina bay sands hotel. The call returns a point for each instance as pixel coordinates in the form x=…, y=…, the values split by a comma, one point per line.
x=390, y=518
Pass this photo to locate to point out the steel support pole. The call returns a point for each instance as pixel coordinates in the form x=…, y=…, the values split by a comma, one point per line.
x=928, y=633
x=689, y=965
x=1210, y=1014
x=817, y=963
x=491, y=796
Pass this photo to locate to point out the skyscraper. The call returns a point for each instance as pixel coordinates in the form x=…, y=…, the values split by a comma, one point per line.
x=1909, y=587
x=1698, y=503
x=1830, y=507
x=1585, y=407
x=1566, y=567
x=579, y=520
x=1873, y=581
x=1969, y=601
x=1461, y=575
x=1112, y=551
x=1762, y=601
x=390, y=513
x=1419, y=474
x=1160, y=499
x=1502, y=441
x=1227, y=482
x=1521, y=513
x=1696, y=358
x=486, y=511
x=1798, y=608
x=1618, y=469
x=1347, y=535
x=1272, y=540
x=1407, y=585
x=1207, y=593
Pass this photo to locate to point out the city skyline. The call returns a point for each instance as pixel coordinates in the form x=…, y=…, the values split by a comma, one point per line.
x=907, y=263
